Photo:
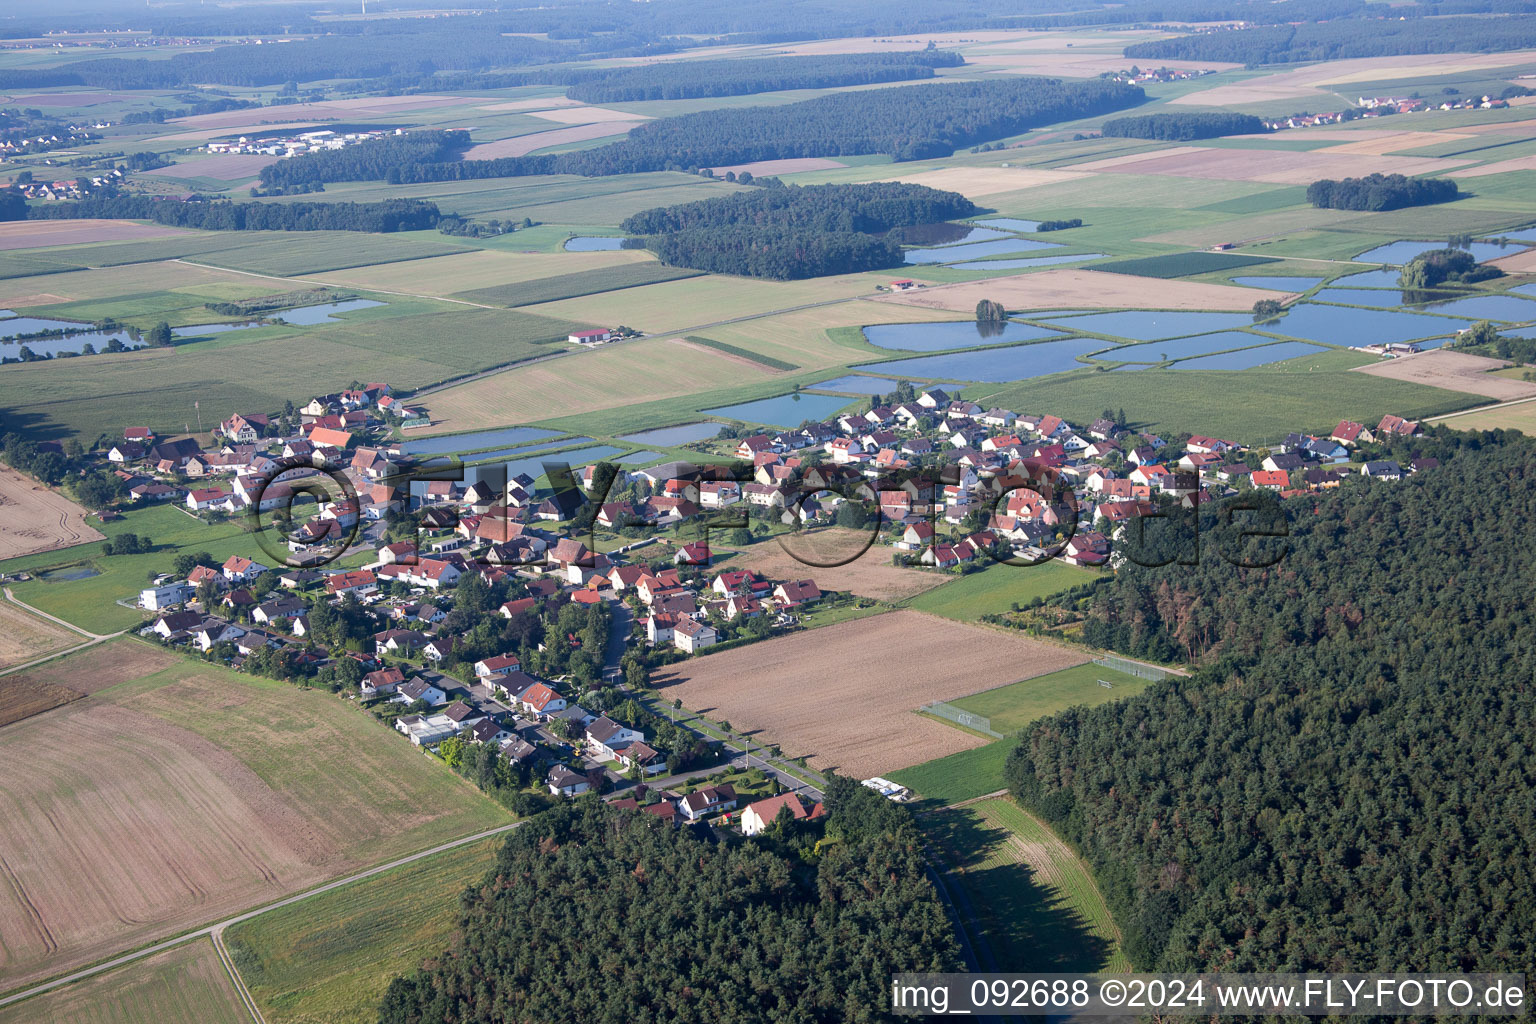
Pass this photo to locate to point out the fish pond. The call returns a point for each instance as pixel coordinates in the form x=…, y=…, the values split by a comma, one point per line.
x=943, y=337
x=976, y=250
x=1403, y=252
x=682, y=433
x=996, y=365
x=1151, y=325
x=1038, y=261
x=1346, y=325
x=477, y=440
x=592, y=243
x=783, y=410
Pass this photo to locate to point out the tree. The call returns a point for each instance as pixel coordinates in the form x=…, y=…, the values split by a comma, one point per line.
x=160, y=335
x=1266, y=308
x=990, y=311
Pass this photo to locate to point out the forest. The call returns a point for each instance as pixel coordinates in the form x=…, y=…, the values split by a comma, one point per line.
x=1335, y=40
x=1445, y=266
x=1380, y=192
x=788, y=232
x=676, y=80
x=1345, y=782
x=388, y=215
x=1181, y=127
x=374, y=160
x=592, y=913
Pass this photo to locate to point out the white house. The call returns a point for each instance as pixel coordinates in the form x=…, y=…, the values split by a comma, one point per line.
x=607, y=737
x=565, y=782
x=597, y=337
x=158, y=598
x=427, y=731
x=692, y=635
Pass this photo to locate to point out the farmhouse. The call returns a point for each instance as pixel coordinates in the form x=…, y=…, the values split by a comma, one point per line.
x=594, y=337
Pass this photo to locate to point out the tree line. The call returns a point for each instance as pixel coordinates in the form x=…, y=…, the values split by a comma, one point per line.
x=596, y=913
x=1337, y=785
x=1338, y=39
x=1380, y=192
x=677, y=80
x=374, y=160
x=385, y=216
x=1182, y=127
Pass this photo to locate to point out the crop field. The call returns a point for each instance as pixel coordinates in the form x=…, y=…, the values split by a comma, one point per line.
x=979, y=182
x=24, y=637
x=34, y=518
x=281, y=254
x=213, y=791
x=1180, y=264
x=1070, y=289
x=24, y=234
x=328, y=959
x=1521, y=417
x=111, y=283
x=1278, y=167
x=609, y=210
x=522, y=145
x=1454, y=371
x=1014, y=706
x=869, y=575
x=479, y=269
x=183, y=985
x=1038, y=906
x=999, y=587
x=875, y=671
x=566, y=286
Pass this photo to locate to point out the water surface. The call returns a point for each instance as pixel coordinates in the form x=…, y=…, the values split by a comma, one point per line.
x=996, y=365
x=784, y=410
x=682, y=433
x=1280, y=284
x=976, y=250
x=592, y=243
x=479, y=439
x=1345, y=325
x=1183, y=348
x=1150, y=325
x=1038, y=261
x=941, y=337
x=1402, y=252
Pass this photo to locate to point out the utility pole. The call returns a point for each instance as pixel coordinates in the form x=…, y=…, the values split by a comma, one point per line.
x=199, y=407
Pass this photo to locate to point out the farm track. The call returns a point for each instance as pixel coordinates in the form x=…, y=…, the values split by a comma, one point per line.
x=217, y=935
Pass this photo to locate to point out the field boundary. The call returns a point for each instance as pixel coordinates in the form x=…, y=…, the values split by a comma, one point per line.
x=1139, y=669
x=974, y=722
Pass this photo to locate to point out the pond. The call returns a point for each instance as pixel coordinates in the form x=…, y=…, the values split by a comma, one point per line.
x=479, y=439
x=68, y=574
x=205, y=330
x=1489, y=307
x=1183, y=348
x=1279, y=284
x=1402, y=252
x=15, y=325
x=1521, y=332
x=533, y=465
x=1525, y=289
x=976, y=250
x=942, y=234
x=1010, y=223
x=308, y=316
x=1378, y=298
x=682, y=433
x=1344, y=325
x=592, y=243
x=1150, y=325
x=784, y=410
x=1249, y=358
x=1371, y=279
x=1038, y=261
x=941, y=337
x=997, y=365
x=74, y=344
x=857, y=384
x=637, y=457
x=505, y=453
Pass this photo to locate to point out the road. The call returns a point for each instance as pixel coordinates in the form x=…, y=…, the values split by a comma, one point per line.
x=58, y=621
x=216, y=930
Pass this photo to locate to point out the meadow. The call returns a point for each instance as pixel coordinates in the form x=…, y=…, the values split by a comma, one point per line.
x=183, y=985
x=998, y=588
x=328, y=959
x=1014, y=706
x=964, y=775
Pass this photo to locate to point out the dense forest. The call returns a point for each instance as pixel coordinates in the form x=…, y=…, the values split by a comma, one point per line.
x=1334, y=40
x=795, y=231
x=374, y=160
x=1347, y=781
x=1182, y=126
x=1380, y=192
x=597, y=914
x=389, y=215
x=676, y=80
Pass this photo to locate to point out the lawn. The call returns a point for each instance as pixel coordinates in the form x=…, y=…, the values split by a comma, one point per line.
x=328, y=959
x=960, y=776
x=1014, y=706
x=1036, y=902
x=998, y=588
x=183, y=985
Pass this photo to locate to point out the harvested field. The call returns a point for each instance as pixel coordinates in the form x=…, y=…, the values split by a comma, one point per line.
x=476, y=269
x=869, y=575
x=1280, y=167
x=874, y=672
x=1520, y=263
x=110, y=283
x=225, y=167
x=1393, y=142
x=1455, y=371
x=191, y=793
x=1253, y=228
x=34, y=518
x=543, y=104
x=20, y=699
x=1070, y=289
x=24, y=636
x=1519, y=416
x=32, y=234
x=183, y=985
x=103, y=666
x=583, y=114
x=522, y=145
x=789, y=165
x=1519, y=163
x=972, y=182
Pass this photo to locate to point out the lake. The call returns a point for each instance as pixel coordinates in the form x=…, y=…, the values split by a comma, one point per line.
x=308, y=316
x=1183, y=348
x=479, y=439
x=942, y=234
x=682, y=433
x=1282, y=284
x=636, y=457
x=1344, y=325
x=1038, y=261
x=1249, y=358
x=975, y=251
x=784, y=410
x=1402, y=252
x=204, y=330
x=1151, y=325
x=74, y=344
x=1371, y=279
x=996, y=365
x=592, y=243
x=15, y=325
x=1377, y=297
x=941, y=337
x=1010, y=223
x=857, y=384
x=1489, y=307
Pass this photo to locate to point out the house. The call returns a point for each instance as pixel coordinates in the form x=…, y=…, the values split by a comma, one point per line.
x=593, y=337
x=358, y=581
x=420, y=689
x=512, y=685
x=606, y=737
x=203, y=498
x=1382, y=469
x=1209, y=445
x=269, y=612
x=157, y=598
x=707, y=801
x=1271, y=479
x=517, y=607
x=539, y=699
x=238, y=569
x=125, y=451
x=695, y=553
x=427, y=731
x=380, y=681
x=643, y=755
x=761, y=814
x=439, y=647
x=173, y=623
x=905, y=284
x=462, y=715
x=665, y=811
x=719, y=493
x=488, y=730
x=215, y=631
x=330, y=437
x=398, y=641
x=565, y=782
x=797, y=593
x=1287, y=462
x=500, y=665
x=245, y=429
x=1348, y=432
x=517, y=750
x=1397, y=426
x=691, y=635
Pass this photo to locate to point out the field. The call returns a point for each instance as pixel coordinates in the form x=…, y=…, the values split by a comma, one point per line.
x=1278, y=167
x=183, y=985
x=843, y=695
x=1014, y=706
x=24, y=637
x=1454, y=371
x=1070, y=289
x=328, y=959
x=869, y=575
x=977, y=182
x=1520, y=416
x=34, y=518
x=32, y=234
x=522, y=145
x=566, y=286
x=1037, y=904
x=998, y=588
x=1180, y=264
x=964, y=775
x=478, y=269
x=212, y=791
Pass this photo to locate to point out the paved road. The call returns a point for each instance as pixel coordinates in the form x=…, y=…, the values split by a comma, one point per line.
x=621, y=624
x=217, y=928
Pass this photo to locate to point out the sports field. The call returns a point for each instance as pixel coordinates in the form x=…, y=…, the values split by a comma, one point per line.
x=212, y=791
x=1014, y=706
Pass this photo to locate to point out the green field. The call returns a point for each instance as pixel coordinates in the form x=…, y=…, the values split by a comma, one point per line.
x=569, y=286
x=748, y=354
x=961, y=776
x=1035, y=901
x=327, y=960
x=1014, y=706
x=183, y=985
x=998, y=588
x=1180, y=264
x=283, y=254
